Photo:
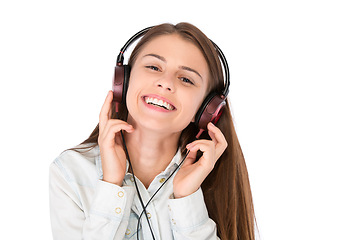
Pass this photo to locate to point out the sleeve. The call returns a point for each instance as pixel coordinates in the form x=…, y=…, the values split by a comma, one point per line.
x=108, y=215
x=189, y=218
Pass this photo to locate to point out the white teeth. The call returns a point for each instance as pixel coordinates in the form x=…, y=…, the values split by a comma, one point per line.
x=158, y=102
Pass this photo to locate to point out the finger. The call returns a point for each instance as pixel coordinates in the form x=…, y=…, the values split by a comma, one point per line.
x=196, y=142
x=207, y=147
x=112, y=138
x=213, y=137
x=190, y=159
x=112, y=127
x=202, y=145
x=105, y=110
x=218, y=138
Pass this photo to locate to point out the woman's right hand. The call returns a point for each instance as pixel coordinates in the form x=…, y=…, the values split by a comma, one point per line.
x=113, y=157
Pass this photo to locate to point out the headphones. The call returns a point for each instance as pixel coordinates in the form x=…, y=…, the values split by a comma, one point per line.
x=211, y=108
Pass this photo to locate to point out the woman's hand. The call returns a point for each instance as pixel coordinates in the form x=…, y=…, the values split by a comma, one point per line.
x=191, y=174
x=113, y=158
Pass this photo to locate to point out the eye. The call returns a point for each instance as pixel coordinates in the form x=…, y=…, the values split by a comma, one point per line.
x=153, y=68
x=186, y=80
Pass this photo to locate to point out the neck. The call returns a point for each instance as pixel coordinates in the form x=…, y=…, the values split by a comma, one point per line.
x=150, y=152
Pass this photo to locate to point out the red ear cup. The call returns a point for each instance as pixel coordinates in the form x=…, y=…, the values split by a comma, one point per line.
x=210, y=110
x=121, y=83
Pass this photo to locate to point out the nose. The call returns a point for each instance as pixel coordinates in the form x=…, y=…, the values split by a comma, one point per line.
x=166, y=83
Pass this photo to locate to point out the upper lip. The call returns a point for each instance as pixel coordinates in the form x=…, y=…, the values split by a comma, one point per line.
x=160, y=98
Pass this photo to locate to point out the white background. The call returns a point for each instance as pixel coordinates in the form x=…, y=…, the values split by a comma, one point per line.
x=295, y=71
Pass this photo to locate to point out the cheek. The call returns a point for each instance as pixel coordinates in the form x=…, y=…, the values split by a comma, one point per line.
x=192, y=105
x=131, y=93
x=134, y=85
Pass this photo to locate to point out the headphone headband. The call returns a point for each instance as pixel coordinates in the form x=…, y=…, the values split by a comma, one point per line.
x=226, y=68
x=120, y=57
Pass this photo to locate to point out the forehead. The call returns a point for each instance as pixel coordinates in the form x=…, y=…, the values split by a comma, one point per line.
x=170, y=41
x=178, y=50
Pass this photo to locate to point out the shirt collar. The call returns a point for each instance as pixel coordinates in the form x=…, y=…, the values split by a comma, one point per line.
x=172, y=165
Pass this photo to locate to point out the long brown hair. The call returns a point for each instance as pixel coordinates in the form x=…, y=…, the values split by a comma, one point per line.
x=226, y=189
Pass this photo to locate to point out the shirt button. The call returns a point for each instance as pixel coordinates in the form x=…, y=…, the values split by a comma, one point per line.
x=127, y=232
x=162, y=180
x=121, y=194
x=173, y=221
x=149, y=215
x=118, y=210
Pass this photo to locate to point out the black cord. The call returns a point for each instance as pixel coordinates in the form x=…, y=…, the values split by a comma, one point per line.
x=137, y=189
x=138, y=224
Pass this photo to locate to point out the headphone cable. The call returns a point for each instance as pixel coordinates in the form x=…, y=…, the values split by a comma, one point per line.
x=137, y=189
x=177, y=167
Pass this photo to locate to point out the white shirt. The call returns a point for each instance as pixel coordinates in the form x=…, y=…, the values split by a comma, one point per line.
x=82, y=206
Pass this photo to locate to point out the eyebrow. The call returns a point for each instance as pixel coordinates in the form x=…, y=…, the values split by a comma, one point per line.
x=182, y=67
x=155, y=55
x=191, y=70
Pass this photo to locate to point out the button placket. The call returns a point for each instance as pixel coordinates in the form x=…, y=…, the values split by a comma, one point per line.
x=120, y=194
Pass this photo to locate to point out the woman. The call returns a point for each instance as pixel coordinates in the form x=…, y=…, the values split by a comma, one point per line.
x=97, y=192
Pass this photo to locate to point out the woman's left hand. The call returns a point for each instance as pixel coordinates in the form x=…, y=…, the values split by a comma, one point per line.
x=191, y=174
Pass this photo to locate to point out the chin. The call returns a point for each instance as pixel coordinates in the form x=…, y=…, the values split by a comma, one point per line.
x=160, y=126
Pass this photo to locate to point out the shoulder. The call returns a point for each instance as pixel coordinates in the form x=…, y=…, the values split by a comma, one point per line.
x=81, y=166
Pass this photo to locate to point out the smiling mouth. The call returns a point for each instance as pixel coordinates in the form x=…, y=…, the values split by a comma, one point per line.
x=159, y=103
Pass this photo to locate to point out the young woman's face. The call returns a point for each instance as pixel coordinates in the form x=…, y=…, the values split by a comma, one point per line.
x=167, y=85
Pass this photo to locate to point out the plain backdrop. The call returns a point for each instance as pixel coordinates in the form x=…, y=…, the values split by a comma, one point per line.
x=295, y=71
